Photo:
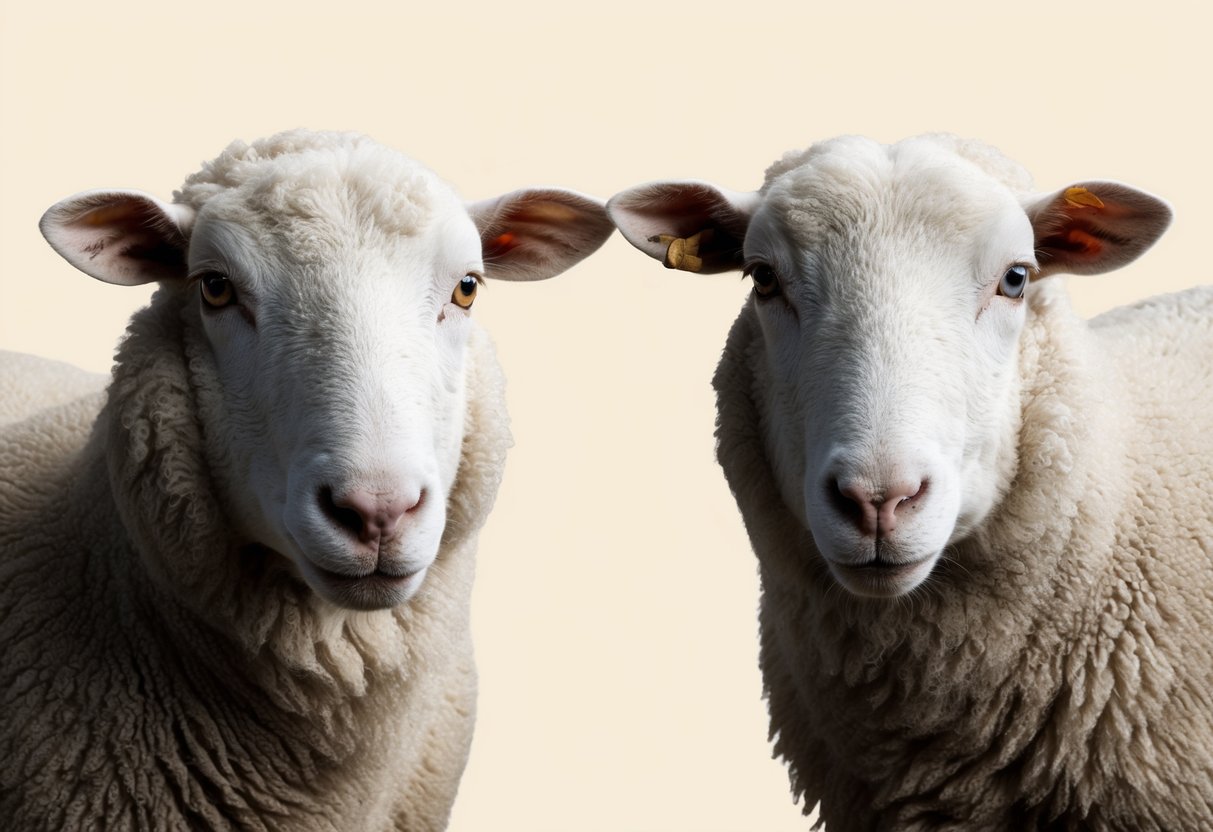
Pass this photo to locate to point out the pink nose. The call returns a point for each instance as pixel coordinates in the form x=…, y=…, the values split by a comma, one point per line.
x=370, y=517
x=875, y=511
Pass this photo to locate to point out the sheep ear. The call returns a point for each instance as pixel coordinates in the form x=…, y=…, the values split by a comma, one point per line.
x=693, y=226
x=537, y=233
x=1094, y=227
x=121, y=237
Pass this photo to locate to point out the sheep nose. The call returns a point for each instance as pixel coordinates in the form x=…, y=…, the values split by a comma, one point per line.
x=875, y=511
x=372, y=518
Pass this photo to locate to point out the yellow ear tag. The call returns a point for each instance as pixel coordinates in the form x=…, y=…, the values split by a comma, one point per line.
x=1081, y=197
x=683, y=252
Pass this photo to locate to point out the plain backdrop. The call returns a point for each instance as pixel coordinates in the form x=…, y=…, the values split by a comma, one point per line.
x=615, y=604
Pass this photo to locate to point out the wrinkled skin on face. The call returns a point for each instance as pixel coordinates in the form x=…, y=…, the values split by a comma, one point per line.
x=888, y=289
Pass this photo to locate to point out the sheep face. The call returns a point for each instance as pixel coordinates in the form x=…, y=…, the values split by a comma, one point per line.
x=338, y=347
x=327, y=287
x=889, y=292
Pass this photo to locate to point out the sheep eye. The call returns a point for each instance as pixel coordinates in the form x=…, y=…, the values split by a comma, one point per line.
x=766, y=282
x=217, y=290
x=1013, y=282
x=465, y=292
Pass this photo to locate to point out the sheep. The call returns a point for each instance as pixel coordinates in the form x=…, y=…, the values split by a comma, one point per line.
x=237, y=596
x=983, y=525
x=29, y=384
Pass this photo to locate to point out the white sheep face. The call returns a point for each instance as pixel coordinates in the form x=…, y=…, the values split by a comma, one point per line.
x=889, y=290
x=332, y=283
x=890, y=353
x=340, y=359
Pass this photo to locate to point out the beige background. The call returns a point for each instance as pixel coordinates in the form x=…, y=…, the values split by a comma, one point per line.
x=616, y=597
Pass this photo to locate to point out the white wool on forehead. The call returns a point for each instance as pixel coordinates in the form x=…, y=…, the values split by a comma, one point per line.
x=846, y=149
x=322, y=175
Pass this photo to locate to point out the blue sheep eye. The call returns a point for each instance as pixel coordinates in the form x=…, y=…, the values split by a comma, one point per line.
x=1013, y=282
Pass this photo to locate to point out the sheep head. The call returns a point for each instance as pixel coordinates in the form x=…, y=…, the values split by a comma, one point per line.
x=888, y=286
x=330, y=282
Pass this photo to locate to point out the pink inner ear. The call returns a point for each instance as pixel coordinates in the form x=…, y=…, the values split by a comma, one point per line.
x=1094, y=227
x=650, y=216
x=105, y=215
x=122, y=237
x=1083, y=242
x=537, y=233
x=546, y=212
x=501, y=244
x=1075, y=240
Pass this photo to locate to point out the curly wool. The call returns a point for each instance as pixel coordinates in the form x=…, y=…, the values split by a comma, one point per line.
x=987, y=158
x=1057, y=669
x=323, y=177
x=160, y=674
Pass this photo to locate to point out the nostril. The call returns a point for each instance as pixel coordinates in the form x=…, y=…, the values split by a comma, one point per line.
x=906, y=495
x=368, y=516
x=344, y=516
x=875, y=511
x=900, y=497
x=854, y=504
x=843, y=500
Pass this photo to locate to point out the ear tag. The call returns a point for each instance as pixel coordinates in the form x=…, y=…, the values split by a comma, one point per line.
x=1082, y=198
x=683, y=252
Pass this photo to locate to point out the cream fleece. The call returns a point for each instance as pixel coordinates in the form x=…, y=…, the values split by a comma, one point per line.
x=1058, y=670
x=160, y=674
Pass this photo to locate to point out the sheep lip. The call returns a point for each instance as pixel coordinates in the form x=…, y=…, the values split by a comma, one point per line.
x=379, y=575
x=882, y=578
x=878, y=565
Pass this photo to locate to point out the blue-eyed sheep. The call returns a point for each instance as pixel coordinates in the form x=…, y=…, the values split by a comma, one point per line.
x=984, y=526
x=237, y=596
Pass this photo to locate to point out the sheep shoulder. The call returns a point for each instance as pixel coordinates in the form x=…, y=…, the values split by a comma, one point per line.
x=29, y=384
x=1161, y=348
x=1145, y=668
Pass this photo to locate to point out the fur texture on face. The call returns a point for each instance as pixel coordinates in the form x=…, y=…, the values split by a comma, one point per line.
x=337, y=371
x=235, y=594
x=1051, y=668
x=892, y=356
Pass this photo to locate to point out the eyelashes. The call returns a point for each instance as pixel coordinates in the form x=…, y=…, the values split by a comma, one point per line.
x=766, y=281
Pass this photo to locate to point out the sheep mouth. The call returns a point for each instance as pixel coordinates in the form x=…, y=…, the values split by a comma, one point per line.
x=880, y=578
x=375, y=590
x=378, y=574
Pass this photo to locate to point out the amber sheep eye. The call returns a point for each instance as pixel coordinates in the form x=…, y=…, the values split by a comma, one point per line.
x=766, y=283
x=465, y=292
x=217, y=290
